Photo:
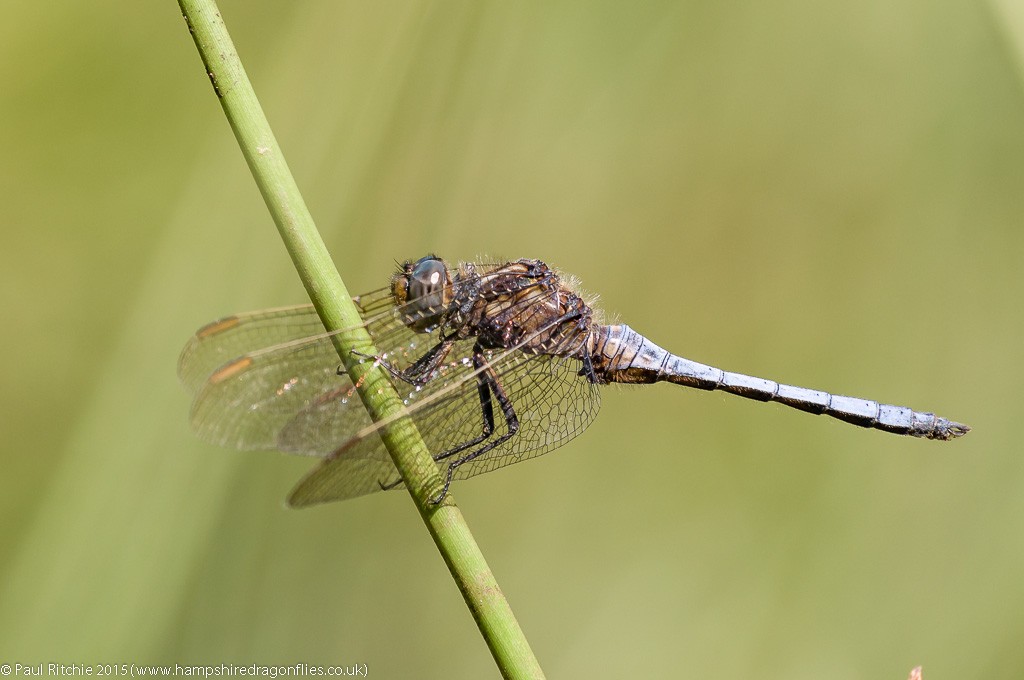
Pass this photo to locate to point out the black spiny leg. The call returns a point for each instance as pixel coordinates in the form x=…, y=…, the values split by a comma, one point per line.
x=588, y=370
x=419, y=372
x=486, y=409
x=490, y=381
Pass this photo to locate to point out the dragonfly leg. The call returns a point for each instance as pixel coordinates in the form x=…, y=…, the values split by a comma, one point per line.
x=418, y=374
x=483, y=386
x=486, y=407
x=487, y=384
x=537, y=273
x=588, y=370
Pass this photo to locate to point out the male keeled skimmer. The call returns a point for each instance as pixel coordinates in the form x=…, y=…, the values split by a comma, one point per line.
x=496, y=363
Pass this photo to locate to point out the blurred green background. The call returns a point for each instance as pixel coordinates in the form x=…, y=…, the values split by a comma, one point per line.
x=825, y=193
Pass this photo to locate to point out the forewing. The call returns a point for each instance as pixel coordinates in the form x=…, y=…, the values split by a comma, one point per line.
x=323, y=425
x=252, y=373
x=266, y=380
x=224, y=340
x=245, y=403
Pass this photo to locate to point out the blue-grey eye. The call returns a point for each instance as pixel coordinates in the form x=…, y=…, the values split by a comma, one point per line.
x=426, y=292
x=427, y=278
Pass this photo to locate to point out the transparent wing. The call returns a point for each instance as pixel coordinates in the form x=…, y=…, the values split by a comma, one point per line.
x=552, y=402
x=324, y=424
x=224, y=340
x=251, y=373
x=232, y=337
x=357, y=461
x=269, y=380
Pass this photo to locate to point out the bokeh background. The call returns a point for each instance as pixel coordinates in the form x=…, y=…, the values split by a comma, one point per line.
x=825, y=193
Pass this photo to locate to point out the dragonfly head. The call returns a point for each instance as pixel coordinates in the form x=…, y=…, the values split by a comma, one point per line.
x=424, y=290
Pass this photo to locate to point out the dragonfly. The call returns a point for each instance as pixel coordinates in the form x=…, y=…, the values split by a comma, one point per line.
x=495, y=363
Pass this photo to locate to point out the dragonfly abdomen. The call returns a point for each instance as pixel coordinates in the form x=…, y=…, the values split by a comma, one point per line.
x=622, y=355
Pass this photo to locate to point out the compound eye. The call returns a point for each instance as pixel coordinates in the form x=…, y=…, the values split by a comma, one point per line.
x=426, y=294
x=427, y=277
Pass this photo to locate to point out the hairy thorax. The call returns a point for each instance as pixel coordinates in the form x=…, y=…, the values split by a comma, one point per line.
x=525, y=305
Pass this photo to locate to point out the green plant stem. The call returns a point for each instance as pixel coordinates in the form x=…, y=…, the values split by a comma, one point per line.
x=486, y=602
